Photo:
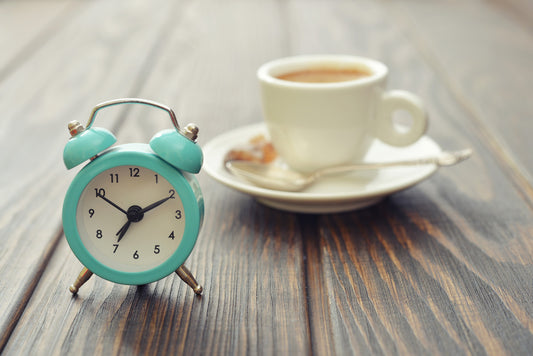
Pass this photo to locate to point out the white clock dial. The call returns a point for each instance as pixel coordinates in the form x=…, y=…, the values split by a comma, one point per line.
x=130, y=218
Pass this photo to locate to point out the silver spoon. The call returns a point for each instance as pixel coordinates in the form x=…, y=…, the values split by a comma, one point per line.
x=277, y=178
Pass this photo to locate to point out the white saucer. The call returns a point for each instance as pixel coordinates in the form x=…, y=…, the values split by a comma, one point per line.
x=331, y=194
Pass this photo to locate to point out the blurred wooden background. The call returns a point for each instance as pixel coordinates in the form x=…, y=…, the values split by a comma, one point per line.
x=445, y=267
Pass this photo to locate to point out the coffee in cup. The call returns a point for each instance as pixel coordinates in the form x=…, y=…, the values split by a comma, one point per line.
x=325, y=75
x=326, y=110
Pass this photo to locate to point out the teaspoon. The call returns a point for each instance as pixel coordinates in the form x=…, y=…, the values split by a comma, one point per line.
x=277, y=178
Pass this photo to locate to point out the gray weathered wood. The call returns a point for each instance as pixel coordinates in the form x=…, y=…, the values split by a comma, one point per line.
x=484, y=57
x=442, y=268
x=60, y=82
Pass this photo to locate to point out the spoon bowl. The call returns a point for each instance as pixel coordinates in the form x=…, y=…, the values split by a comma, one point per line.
x=273, y=177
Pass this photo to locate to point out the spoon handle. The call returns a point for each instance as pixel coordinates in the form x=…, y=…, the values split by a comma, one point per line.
x=445, y=158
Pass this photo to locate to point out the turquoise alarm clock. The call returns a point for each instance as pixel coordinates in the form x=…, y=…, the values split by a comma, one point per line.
x=133, y=213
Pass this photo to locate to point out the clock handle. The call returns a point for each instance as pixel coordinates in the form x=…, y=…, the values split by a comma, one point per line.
x=175, y=146
x=133, y=101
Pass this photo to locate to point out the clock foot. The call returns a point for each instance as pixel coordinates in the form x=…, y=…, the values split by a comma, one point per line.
x=83, y=277
x=188, y=278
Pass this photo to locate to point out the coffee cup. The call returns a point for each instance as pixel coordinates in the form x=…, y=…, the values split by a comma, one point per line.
x=326, y=110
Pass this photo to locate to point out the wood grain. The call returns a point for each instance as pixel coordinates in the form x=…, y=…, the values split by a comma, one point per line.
x=442, y=268
x=18, y=40
x=407, y=295
x=38, y=100
x=268, y=293
x=478, y=75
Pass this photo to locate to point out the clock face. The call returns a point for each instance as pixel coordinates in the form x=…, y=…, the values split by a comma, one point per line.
x=130, y=218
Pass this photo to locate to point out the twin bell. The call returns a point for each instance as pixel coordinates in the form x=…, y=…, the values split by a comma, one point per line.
x=176, y=146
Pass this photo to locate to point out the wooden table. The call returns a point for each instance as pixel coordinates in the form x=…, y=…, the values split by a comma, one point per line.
x=445, y=267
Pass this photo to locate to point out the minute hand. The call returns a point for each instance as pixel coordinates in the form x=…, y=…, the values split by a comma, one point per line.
x=156, y=204
x=113, y=204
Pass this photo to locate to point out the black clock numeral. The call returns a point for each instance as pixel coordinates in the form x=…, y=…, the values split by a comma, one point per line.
x=171, y=192
x=91, y=213
x=134, y=172
x=156, y=178
x=136, y=255
x=178, y=214
x=114, y=177
x=99, y=234
x=115, y=248
x=156, y=249
x=100, y=192
x=171, y=236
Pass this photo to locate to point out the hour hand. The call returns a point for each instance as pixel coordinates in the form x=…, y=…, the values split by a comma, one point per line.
x=123, y=230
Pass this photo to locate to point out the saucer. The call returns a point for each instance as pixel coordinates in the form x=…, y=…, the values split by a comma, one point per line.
x=332, y=194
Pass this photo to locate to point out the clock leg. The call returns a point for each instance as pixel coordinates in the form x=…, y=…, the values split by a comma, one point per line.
x=188, y=278
x=83, y=277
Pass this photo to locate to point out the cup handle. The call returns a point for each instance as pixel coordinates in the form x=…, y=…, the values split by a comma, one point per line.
x=396, y=100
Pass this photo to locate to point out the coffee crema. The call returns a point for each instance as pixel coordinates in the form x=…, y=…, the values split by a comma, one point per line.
x=325, y=75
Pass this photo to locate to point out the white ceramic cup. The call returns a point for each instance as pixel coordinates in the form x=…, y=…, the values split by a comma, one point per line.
x=316, y=125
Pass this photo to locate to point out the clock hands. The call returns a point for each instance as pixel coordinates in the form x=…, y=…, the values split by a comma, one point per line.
x=110, y=202
x=131, y=214
x=156, y=204
x=135, y=214
x=123, y=230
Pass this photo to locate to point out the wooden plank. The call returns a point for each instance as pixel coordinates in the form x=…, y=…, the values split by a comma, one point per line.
x=248, y=310
x=60, y=82
x=519, y=10
x=442, y=268
x=485, y=57
x=249, y=258
x=24, y=28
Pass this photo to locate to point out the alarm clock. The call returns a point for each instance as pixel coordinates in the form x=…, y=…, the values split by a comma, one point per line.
x=133, y=213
